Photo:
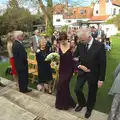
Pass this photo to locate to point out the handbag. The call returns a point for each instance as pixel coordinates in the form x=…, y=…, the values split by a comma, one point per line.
x=8, y=71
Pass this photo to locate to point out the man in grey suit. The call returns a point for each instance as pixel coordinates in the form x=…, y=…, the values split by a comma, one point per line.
x=35, y=41
x=115, y=91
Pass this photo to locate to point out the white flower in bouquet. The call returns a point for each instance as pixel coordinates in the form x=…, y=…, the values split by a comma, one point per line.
x=38, y=50
x=53, y=57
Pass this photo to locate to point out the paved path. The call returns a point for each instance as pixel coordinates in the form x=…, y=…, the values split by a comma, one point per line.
x=36, y=106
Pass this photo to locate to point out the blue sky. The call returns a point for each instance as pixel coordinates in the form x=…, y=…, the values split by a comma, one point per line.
x=3, y=1
x=87, y=2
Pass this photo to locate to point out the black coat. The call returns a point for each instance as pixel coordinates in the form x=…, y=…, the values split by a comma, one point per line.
x=95, y=60
x=20, y=56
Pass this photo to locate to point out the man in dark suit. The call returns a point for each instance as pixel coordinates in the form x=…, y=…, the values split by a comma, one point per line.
x=21, y=63
x=92, y=55
x=94, y=32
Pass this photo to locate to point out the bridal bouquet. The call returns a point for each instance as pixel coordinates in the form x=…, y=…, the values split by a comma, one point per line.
x=53, y=57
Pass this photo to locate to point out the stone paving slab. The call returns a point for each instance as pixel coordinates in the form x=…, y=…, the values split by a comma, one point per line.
x=48, y=99
x=26, y=102
x=96, y=115
x=5, y=81
x=59, y=115
x=10, y=111
x=45, y=103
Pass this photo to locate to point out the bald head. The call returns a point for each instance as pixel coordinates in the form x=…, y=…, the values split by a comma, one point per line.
x=84, y=35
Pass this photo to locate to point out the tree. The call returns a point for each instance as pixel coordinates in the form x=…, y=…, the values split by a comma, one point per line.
x=47, y=9
x=115, y=20
x=16, y=18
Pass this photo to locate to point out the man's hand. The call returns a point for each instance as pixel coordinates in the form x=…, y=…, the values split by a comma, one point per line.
x=100, y=83
x=82, y=67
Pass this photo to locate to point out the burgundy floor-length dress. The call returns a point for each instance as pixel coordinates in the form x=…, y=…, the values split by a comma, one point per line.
x=64, y=99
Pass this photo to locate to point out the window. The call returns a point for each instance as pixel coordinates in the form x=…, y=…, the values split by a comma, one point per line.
x=69, y=21
x=82, y=12
x=114, y=11
x=57, y=20
x=96, y=11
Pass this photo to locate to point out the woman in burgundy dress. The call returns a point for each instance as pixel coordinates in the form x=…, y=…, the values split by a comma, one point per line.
x=64, y=99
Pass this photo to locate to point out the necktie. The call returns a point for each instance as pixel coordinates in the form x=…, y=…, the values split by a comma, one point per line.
x=86, y=48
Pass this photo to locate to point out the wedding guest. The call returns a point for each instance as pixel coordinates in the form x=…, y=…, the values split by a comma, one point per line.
x=108, y=34
x=64, y=99
x=100, y=34
x=115, y=91
x=73, y=45
x=107, y=42
x=20, y=60
x=54, y=36
x=55, y=46
x=48, y=44
x=35, y=41
x=94, y=33
x=10, y=41
x=44, y=69
x=92, y=55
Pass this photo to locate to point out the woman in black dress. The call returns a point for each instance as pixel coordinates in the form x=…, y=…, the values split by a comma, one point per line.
x=64, y=99
x=44, y=69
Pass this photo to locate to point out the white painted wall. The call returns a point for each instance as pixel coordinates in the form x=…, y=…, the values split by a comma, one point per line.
x=109, y=8
x=55, y=17
x=112, y=28
x=96, y=7
x=63, y=21
x=117, y=9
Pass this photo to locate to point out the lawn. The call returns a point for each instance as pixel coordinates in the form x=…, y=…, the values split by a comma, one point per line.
x=104, y=101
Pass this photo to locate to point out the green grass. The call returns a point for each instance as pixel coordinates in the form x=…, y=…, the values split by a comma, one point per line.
x=104, y=101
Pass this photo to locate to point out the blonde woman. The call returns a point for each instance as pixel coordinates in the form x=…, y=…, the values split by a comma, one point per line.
x=10, y=54
x=44, y=69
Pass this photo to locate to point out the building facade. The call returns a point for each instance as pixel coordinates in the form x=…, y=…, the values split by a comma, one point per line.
x=98, y=13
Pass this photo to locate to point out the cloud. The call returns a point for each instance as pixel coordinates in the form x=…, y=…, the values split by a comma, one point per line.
x=2, y=8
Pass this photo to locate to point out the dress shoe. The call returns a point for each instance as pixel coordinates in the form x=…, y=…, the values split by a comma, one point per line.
x=78, y=108
x=28, y=90
x=87, y=114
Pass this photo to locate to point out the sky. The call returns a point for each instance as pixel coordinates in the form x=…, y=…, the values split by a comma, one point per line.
x=74, y=3
x=87, y=2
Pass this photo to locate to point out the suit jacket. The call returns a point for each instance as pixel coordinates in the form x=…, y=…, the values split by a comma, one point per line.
x=95, y=60
x=34, y=43
x=20, y=56
x=94, y=35
x=116, y=84
x=102, y=33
